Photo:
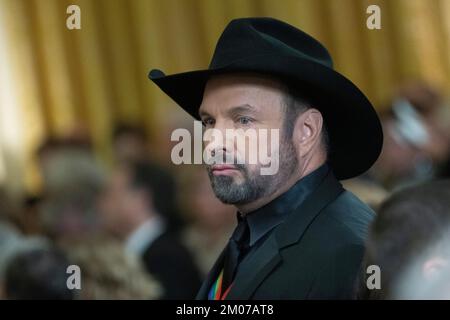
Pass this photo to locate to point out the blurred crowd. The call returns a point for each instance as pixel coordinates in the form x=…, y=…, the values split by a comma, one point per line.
x=145, y=229
x=123, y=227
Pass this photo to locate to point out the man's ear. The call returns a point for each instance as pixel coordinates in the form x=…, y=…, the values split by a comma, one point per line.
x=307, y=131
x=433, y=266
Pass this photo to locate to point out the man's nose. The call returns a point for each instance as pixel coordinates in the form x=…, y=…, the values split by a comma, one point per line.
x=213, y=148
x=215, y=140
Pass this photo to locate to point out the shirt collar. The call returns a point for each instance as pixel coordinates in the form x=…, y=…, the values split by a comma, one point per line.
x=144, y=235
x=264, y=219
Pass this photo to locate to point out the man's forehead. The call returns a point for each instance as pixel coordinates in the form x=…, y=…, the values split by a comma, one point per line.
x=247, y=79
x=240, y=89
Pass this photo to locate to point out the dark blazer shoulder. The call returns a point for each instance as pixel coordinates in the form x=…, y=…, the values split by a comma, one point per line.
x=348, y=216
x=340, y=231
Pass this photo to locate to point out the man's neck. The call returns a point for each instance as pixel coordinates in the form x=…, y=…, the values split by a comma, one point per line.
x=252, y=206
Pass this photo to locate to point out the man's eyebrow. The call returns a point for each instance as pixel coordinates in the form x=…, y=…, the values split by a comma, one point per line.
x=203, y=113
x=241, y=109
x=234, y=110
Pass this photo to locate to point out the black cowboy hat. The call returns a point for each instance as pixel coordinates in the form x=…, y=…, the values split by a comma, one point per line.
x=272, y=47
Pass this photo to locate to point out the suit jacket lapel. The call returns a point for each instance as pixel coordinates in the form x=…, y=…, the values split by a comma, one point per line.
x=255, y=269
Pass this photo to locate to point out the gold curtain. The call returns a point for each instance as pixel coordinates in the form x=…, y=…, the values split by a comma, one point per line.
x=53, y=79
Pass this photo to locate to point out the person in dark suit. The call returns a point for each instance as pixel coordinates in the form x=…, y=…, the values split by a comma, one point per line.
x=137, y=206
x=300, y=235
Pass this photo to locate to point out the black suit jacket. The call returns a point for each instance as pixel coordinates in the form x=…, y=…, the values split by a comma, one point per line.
x=316, y=253
x=173, y=266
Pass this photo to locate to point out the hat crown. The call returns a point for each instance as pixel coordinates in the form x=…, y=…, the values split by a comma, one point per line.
x=247, y=37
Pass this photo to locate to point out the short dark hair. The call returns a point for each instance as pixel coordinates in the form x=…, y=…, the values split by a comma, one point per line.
x=406, y=225
x=160, y=183
x=122, y=129
x=38, y=274
x=295, y=104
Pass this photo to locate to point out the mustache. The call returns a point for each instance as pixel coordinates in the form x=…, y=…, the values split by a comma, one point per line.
x=220, y=157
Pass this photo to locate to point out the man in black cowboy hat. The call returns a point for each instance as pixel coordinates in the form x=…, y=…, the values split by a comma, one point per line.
x=300, y=235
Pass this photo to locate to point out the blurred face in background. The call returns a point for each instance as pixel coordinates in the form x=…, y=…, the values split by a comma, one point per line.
x=415, y=132
x=121, y=206
x=413, y=144
x=129, y=147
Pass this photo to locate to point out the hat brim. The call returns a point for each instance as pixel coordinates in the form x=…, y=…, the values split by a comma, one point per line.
x=354, y=129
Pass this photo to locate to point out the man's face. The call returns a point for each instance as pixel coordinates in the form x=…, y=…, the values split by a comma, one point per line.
x=246, y=102
x=119, y=202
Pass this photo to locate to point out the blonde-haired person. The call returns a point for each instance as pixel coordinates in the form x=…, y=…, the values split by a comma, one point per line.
x=109, y=272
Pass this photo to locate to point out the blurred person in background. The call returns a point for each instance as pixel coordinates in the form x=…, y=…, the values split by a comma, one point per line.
x=409, y=240
x=30, y=215
x=36, y=270
x=9, y=238
x=72, y=180
x=9, y=209
x=26, y=263
x=212, y=221
x=130, y=143
x=10, y=233
x=416, y=137
x=23, y=212
x=108, y=272
x=135, y=207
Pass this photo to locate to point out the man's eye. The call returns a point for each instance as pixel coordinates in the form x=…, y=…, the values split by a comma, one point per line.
x=245, y=120
x=208, y=122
